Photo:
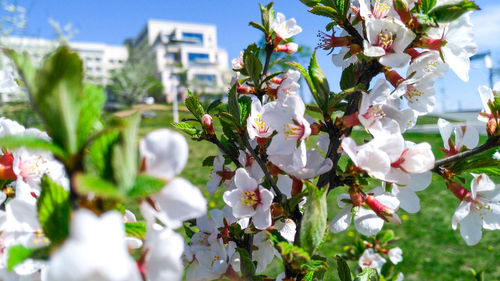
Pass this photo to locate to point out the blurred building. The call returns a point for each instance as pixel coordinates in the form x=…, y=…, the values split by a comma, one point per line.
x=184, y=55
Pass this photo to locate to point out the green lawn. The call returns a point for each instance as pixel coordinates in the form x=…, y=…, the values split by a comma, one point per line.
x=431, y=249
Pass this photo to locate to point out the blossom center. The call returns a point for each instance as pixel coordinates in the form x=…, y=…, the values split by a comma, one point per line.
x=216, y=258
x=260, y=126
x=250, y=198
x=293, y=131
x=413, y=94
x=385, y=40
x=381, y=8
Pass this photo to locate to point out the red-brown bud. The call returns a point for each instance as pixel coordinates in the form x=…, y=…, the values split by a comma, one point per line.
x=357, y=198
x=381, y=210
x=6, y=171
x=241, y=90
x=458, y=190
x=350, y=120
x=393, y=77
x=431, y=44
x=491, y=126
x=315, y=129
x=297, y=186
x=207, y=123
x=401, y=7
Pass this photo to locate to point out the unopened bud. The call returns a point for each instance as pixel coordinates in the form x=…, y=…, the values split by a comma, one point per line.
x=393, y=77
x=431, y=44
x=401, y=7
x=315, y=129
x=277, y=80
x=384, y=212
x=458, y=190
x=297, y=186
x=6, y=171
x=350, y=120
x=207, y=123
x=242, y=90
x=491, y=127
x=289, y=48
x=356, y=197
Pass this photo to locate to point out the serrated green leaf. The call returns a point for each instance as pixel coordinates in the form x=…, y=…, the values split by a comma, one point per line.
x=342, y=6
x=314, y=219
x=309, y=276
x=347, y=79
x=386, y=236
x=98, y=157
x=478, y=165
x=30, y=142
x=89, y=184
x=54, y=210
x=343, y=269
x=267, y=17
x=58, y=96
x=91, y=106
x=186, y=128
x=368, y=274
x=124, y=154
x=253, y=66
x=293, y=255
x=213, y=105
x=136, y=229
x=315, y=265
x=325, y=11
x=145, y=186
x=320, y=83
x=245, y=106
x=232, y=104
x=450, y=12
x=193, y=104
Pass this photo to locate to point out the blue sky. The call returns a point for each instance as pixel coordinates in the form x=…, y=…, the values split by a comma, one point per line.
x=112, y=21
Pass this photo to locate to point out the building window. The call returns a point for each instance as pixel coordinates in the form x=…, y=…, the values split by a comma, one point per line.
x=97, y=59
x=192, y=38
x=196, y=58
x=205, y=78
x=112, y=61
x=98, y=69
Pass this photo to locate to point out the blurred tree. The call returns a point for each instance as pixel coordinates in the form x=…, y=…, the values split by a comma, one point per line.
x=137, y=78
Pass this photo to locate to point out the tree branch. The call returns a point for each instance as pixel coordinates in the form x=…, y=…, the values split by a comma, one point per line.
x=262, y=165
x=490, y=143
x=216, y=141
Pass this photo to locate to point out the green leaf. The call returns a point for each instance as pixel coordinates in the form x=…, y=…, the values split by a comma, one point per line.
x=232, y=104
x=320, y=83
x=315, y=265
x=308, y=79
x=427, y=5
x=31, y=142
x=186, y=128
x=368, y=274
x=57, y=96
x=193, y=104
x=24, y=67
x=54, y=210
x=136, y=229
x=310, y=3
x=18, y=254
x=386, y=236
x=91, y=106
x=478, y=165
x=343, y=269
x=258, y=26
x=245, y=106
x=253, y=66
x=267, y=17
x=124, y=153
x=98, y=158
x=145, y=186
x=309, y=276
x=89, y=184
x=209, y=161
x=325, y=11
x=293, y=255
x=425, y=21
x=347, y=79
x=213, y=105
x=247, y=266
x=452, y=11
x=342, y=6
x=314, y=219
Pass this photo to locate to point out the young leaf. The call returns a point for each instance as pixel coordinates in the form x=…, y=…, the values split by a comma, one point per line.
x=209, y=161
x=57, y=96
x=245, y=106
x=186, y=128
x=342, y=6
x=347, y=79
x=136, y=229
x=343, y=269
x=213, y=105
x=193, y=104
x=98, y=159
x=452, y=11
x=54, y=210
x=145, y=186
x=324, y=11
x=232, y=103
x=427, y=5
x=93, y=100
x=267, y=17
x=89, y=184
x=253, y=66
x=320, y=83
x=30, y=142
x=314, y=219
x=293, y=255
x=258, y=26
x=124, y=153
x=310, y=3
x=368, y=274
x=18, y=254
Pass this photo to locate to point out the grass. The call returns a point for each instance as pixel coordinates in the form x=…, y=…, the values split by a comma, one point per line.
x=431, y=249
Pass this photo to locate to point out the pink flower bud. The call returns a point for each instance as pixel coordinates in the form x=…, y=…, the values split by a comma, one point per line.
x=458, y=190
x=288, y=48
x=207, y=123
x=401, y=7
x=277, y=80
x=381, y=210
x=242, y=90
